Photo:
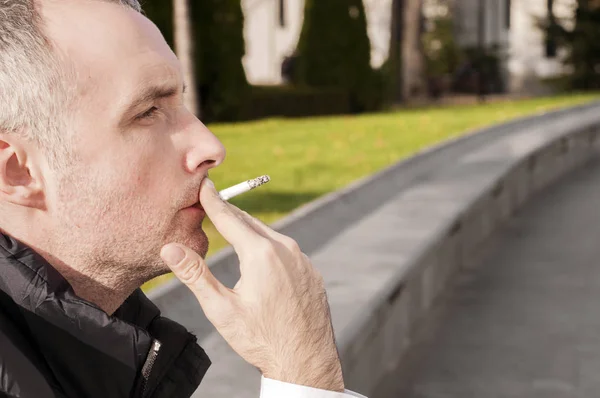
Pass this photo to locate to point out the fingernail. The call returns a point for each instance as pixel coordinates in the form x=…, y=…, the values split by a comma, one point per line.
x=172, y=254
x=209, y=183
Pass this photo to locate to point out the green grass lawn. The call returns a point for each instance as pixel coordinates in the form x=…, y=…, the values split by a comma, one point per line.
x=307, y=158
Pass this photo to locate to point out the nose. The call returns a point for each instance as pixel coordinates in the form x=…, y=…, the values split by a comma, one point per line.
x=206, y=151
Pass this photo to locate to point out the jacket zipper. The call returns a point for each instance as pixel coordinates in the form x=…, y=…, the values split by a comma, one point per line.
x=149, y=364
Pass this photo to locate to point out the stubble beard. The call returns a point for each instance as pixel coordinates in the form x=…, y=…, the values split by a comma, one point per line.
x=126, y=261
x=124, y=258
x=152, y=266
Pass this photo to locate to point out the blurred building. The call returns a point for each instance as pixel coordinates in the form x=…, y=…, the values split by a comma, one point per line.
x=510, y=26
x=532, y=57
x=272, y=29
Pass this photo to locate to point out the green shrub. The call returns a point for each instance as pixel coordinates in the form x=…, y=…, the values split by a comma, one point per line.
x=290, y=101
x=219, y=37
x=488, y=61
x=581, y=44
x=334, y=50
x=584, y=48
x=443, y=55
x=217, y=29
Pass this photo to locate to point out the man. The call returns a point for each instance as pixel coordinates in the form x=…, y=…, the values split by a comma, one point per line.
x=102, y=173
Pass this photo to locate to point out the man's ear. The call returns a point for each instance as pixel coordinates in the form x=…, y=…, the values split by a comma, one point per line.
x=20, y=180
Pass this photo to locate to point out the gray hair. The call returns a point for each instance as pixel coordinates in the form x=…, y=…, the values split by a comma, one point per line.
x=34, y=84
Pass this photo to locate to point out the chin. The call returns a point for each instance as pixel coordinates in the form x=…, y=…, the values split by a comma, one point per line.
x=154, y=267
x=197, y=241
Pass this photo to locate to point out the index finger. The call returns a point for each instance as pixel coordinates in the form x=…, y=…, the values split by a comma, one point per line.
x=233, y=228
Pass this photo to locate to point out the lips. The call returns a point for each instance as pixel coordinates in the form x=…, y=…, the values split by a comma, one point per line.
x=195, y=211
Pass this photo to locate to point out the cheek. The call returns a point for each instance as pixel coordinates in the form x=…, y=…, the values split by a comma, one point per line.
x=152, y=173
x=128, y=188
x=133, y=201
x=131, y=178
x=101, y=201
x=140, y=200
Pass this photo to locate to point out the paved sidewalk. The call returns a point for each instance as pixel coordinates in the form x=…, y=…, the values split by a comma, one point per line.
x=526, y=323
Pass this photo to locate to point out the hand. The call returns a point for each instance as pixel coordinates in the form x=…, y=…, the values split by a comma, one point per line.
x=277, y=316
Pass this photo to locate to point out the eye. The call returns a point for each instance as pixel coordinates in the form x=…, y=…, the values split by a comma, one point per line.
x=149, y=114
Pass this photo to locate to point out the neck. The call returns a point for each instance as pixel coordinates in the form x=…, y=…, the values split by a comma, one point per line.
x=107, y=290
x=83, y=263
x=101, y=290
x=99, y=284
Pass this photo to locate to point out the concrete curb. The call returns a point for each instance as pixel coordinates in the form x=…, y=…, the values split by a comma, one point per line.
x=375, y=343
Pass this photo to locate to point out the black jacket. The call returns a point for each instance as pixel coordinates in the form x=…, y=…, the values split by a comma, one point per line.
x=54, y=344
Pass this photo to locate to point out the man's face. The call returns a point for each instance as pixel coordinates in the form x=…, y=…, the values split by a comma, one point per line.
x=140, y=155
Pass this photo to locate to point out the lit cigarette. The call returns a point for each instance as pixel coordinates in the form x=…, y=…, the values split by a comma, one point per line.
x=243, y=187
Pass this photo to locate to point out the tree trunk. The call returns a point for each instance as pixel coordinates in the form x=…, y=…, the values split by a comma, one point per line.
x=395, y=51
x=184, y=47
x=413, y=60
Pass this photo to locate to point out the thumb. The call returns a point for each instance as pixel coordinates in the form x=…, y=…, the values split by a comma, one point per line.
x=189, y=267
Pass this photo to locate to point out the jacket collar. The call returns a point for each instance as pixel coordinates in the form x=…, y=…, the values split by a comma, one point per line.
x=90, y=353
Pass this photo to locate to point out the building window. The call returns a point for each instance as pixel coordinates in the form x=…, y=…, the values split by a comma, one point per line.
x=282, y=13
x=551, y=46
x=507, y=10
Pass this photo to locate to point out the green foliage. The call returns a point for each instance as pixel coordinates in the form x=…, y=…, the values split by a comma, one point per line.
x=334, y=50
x=217, y=28
x=442, y=53
x=374, y=96
x=488, y=61
x=389, y=78
x=292, y=101
x=219, y=44
x=581, y=44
